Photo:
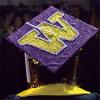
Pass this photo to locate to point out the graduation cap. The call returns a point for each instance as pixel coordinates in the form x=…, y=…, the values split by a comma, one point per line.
x=52, y=37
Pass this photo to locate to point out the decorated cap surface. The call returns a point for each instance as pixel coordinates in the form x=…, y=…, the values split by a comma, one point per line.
x=52, y=37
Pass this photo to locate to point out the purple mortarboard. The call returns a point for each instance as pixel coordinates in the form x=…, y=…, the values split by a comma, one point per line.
x=52, y=37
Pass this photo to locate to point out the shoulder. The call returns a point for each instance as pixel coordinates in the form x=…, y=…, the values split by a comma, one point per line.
x=92, y=96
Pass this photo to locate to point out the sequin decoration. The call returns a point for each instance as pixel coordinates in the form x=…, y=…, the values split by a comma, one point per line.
x=52, y=37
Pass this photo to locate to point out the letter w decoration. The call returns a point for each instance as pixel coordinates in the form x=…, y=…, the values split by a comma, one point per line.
x=54, y=34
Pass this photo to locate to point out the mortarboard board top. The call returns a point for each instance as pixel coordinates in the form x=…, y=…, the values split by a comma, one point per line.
x=52, y=37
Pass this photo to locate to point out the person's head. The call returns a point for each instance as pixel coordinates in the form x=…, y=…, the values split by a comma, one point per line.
x=75, y=11
x=66, y=72
x=26, y=17
x=18, y=22
x=9, y=17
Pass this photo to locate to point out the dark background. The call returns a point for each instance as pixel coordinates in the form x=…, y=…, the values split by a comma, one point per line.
x=14, y=13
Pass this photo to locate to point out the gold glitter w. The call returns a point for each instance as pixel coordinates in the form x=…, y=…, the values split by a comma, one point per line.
x=54, y=34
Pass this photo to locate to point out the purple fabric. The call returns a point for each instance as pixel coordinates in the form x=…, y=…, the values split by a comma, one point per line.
x=51, y=61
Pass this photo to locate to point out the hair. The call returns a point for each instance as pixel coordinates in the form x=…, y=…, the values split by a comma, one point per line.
x=67, y=71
